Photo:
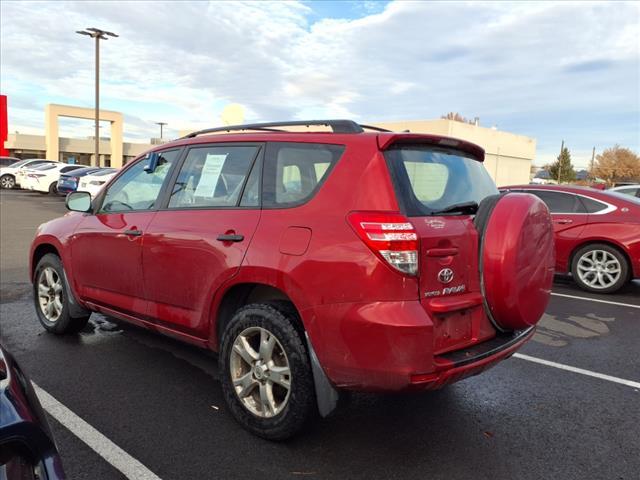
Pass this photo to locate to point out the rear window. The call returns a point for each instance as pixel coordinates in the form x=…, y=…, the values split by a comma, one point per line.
x=429, y=179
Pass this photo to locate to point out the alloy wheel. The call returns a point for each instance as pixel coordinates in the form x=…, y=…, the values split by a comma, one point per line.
x=599, y=269
x=260, y=372
x=7, y=182
x=50, y=294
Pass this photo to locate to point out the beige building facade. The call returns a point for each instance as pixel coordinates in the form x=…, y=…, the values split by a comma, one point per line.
x=508, y=157
x=76, y=150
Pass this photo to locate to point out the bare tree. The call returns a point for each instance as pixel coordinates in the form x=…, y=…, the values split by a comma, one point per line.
x=456, y=117
x=617, y=164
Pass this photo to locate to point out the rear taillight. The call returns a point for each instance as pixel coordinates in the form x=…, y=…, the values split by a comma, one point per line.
x=389, y=235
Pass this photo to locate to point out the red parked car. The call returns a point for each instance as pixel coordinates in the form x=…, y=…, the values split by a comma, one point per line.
x=597, y=234
x=313, y=262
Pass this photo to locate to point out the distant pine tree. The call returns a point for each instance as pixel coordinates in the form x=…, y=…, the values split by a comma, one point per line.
x=561, y=170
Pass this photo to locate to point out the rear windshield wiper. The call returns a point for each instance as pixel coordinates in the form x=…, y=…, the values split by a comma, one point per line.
x=464, y=208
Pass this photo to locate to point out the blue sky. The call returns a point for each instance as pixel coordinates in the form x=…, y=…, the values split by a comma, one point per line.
x=550, y=70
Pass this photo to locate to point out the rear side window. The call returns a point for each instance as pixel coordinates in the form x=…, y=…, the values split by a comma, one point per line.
x=294, y=171
x=593, y=206
x=429, y=179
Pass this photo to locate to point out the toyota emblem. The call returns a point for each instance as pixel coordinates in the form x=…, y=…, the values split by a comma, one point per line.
x=445, y=275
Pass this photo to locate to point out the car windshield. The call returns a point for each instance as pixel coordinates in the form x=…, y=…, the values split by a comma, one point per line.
x=18, y=164
x=106, y=171
x=45, y=166
x=432, y=180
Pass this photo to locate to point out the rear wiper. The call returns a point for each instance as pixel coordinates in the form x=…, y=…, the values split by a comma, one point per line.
x=464, y=207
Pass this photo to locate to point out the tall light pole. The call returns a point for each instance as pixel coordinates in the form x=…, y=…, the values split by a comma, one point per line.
x=162, y=124
x=98, y=35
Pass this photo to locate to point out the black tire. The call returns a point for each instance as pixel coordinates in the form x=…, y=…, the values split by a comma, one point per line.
x=622, y=260
x=300, y=407
x=53, y=188
x=64, y=323
x=7, y=182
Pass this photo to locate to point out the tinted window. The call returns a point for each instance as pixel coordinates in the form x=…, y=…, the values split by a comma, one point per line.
x=591, y=205
x=18, y=164
x=633, y=191
x=10, y=161
x=38, y=162
x=137, y=189
x=429, y=179
x=69, y=168
x=558, y=202
x=293, y=171
x=251, y=194
x=213, y=176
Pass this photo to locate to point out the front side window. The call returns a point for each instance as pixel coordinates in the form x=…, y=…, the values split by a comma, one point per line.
x=136, y=188
x=294, y=171
x=559, y=202
x=429, y=179
x=213, y=176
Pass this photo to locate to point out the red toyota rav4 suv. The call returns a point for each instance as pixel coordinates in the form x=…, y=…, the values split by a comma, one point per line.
x=312, y=261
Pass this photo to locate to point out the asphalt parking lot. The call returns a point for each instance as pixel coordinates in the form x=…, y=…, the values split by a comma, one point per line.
x=160, y=401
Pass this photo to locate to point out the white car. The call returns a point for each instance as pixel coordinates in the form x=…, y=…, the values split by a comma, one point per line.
x=94, y=182
x=11, y=176
x=44, y=178
x=633, y=190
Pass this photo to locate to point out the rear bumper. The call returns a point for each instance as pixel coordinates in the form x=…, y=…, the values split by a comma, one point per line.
x=389, y=346
x=459, y=364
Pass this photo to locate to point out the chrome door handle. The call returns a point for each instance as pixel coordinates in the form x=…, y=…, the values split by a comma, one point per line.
x=133, y=233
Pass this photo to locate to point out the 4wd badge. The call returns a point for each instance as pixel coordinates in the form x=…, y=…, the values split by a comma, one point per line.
x=445, y=275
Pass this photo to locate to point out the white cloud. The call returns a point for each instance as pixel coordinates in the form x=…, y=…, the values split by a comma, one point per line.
x=528, y=67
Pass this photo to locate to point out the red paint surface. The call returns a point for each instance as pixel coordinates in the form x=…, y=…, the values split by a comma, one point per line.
x=518, y=260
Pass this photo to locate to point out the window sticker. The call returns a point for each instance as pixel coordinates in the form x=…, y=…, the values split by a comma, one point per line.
x=210, y=175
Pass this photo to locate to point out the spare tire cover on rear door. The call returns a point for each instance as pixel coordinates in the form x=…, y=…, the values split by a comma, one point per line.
x=516, y=259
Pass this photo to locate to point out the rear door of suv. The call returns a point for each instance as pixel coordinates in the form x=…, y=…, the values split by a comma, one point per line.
x=438, y=189
x=199, y=237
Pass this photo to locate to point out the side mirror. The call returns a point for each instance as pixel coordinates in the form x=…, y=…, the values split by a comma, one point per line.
x=79, y=201
x=152, y=162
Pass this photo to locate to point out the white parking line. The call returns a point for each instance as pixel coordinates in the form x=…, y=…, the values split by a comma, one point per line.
x=596, y=300
x=581, y=371
x=109, y=451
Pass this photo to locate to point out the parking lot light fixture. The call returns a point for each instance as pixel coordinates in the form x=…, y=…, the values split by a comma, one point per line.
x=162, y=124
x=98, y=35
